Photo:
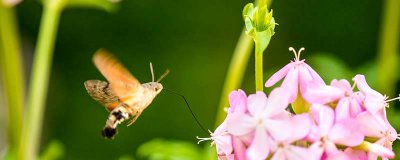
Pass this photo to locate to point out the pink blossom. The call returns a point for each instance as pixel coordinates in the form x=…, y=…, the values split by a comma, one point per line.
x=378, y=127
x=374, y=101
x=297, y=74
x=328, y=132
x=260, y=122
x=296, y=128
x=340, y=92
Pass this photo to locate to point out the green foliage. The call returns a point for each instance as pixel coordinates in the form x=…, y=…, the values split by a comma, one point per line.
x=159, y=149
x=55, y=150
x=329, y=67
x=106, y=5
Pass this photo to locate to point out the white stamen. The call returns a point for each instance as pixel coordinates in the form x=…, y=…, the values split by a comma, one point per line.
x=296, y=54
x=203, y=139
x=397, y=98
x=299, y=52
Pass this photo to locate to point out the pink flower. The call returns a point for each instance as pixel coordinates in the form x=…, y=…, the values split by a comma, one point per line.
x=340, y=92
x=374, y=101
x=260, y=122
x=328, y=132
x=296, y=128
x=238, y=102
x=379, y=127
x=297, y=74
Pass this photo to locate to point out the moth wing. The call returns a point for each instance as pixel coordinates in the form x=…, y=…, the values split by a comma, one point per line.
x=122, y=82
x=101, y=92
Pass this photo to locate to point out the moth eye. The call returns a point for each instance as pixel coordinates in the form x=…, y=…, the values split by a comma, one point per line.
x=156, y=89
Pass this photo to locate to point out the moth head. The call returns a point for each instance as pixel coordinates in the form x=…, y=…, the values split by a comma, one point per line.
x=154, y=86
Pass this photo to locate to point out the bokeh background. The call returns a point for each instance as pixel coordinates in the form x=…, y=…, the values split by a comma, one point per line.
x=195, y=39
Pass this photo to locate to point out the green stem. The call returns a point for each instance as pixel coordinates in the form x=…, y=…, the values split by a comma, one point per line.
x=388, y=48
x=236, y=70
x=12, y=73
x=259, y=67
x=40, y=77
x=235, y=73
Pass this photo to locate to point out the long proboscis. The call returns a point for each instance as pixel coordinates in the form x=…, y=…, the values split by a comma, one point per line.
x=190, y=109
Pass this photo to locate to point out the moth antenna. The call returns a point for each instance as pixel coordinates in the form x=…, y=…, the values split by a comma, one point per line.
x=152, y=72
x=190, y=109
x=163, y=75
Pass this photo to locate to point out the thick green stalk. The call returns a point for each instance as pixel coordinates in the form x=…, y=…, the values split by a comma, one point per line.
x=12, y=73
x=259, y=67
x=236, y=71
x=388, y=58
x=40, y=78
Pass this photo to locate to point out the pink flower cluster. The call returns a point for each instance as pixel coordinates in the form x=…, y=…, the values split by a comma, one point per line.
x=338, y=122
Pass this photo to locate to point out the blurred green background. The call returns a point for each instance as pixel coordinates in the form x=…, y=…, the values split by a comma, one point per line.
x=195, y=40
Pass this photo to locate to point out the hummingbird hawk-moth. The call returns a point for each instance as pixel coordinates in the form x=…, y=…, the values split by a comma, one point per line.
x=123, y=95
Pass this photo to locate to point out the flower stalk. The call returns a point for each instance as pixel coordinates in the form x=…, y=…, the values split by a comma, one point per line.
x=260, y=26
x=388, y=58
x=40, y=78
x=12, y=73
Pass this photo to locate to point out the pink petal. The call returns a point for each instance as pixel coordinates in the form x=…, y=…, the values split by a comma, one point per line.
x=239, y=148
x=259, y=150
x=322, y=94
x=342, y=84
x=279, y=155
x=291, y=84
x=223, y=144
x=222, y=139
x=300, y=127
x=347, y=133
x=325, y=118
x=314, y=74
x=304, y=78
x=342, y=109
x=355, y=107
x=240, y=124
x=356, y=154
x=371, y=125
x=277, y=102
x=374, y=103
x=238, y=101
x=300, y=153
x=278, y=75
x=363, y=86
x=380, y=150
x=317, y=149
x=256, y=103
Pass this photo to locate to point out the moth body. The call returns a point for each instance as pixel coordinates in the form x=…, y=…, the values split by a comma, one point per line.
x=123, y=95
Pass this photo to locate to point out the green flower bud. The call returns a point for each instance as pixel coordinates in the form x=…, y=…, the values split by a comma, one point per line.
x=259, y=23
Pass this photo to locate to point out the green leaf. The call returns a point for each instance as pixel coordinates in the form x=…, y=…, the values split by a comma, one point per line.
x=55, y=150
x=126, y=157
x=106, y=5
x=329, y=67
x=160, y=149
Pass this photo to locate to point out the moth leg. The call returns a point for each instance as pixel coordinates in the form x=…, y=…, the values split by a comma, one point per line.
x=134, y=118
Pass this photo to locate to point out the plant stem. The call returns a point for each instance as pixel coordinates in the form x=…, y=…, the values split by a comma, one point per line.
x=259, y=67
x=13, y=75
x=235, y=72
x=40, y=77
x=388, y=59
